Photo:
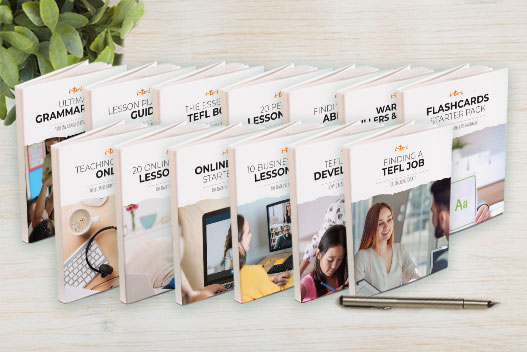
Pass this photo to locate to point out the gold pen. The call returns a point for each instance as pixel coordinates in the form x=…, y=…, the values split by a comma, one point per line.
x=413, y=302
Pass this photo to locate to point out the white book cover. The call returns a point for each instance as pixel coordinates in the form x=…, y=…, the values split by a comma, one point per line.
x=195, y=97
x=258, y=100
x=144, y=229
x=472, y=99
x=317, y=203
x=315, y=100
x=127, y=96
x=49, y=108
x=201, y=214
x=373, y=100
x=397, y=200
x=261, y=211
x=86, y=240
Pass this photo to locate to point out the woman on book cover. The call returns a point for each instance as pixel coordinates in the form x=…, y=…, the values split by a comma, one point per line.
x=254, y=280
x=380, y=261
x=330, y=266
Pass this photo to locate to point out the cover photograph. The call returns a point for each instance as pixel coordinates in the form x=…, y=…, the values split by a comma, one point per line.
x=49, y=108
x=261, y=211
x=143, y=216
x=397, y=203
x=473, y=100
x=201, y=213
x=84, y=204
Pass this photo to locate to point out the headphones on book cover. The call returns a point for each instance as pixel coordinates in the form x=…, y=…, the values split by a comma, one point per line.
x=103, y=269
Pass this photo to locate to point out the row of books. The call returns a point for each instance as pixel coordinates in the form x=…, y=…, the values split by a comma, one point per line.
x=250, y=181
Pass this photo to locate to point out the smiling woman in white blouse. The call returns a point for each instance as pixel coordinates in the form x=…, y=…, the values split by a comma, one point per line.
x=380, y=261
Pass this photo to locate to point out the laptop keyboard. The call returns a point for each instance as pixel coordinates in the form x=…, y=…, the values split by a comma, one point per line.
x=228, y=285
x=285, y=266
x=77, y=273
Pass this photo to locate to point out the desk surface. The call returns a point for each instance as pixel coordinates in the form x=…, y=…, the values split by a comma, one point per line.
x=487, y=261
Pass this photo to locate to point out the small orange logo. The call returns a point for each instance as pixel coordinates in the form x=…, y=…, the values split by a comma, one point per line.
x=401, y=147
x=143, y=92
x=284, y=150
x=278, y=95
x=226, y=151
x=211, y=92
x=335, y=96
x=393, y=95
x=455, y=93
x=108, y=151
x=74, y=90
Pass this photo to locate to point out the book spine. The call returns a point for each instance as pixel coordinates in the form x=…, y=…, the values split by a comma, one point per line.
x=293, y=191
x=22, y=162
x=176, y=234
x=118, y=187
x=349, y=224
x=57, y=206
x=224, y=101
x=88, y=111
x=341, y=108
x=234, y=225
x=156, y=101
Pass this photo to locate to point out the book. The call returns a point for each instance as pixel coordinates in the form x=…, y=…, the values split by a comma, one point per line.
x=472, y=99
x=199, y=170
x=260, y=211
x=84, y=198
x=127, y=96
x=195, y=97
x=258, y=100
x=317, y=203
x=397, y=200
x=142, y=208
x=314, y=100
x=372, y=100
x=48, y=108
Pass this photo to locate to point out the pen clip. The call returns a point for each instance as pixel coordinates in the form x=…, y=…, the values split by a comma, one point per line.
x=383, y=308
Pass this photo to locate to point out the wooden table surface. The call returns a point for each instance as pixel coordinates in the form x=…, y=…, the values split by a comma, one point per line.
x=487, y=261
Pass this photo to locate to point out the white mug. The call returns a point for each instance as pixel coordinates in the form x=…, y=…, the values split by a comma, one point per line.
x=80, y=221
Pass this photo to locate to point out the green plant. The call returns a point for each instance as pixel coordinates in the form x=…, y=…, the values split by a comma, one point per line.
x=37, y=37
x=457, y=143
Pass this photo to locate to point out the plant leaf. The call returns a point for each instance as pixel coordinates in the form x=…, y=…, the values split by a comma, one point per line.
x=73, y=19
x=18, y=55
x=6, y=16
x=58, y=54
x=89, y=7
x=70, y=37
x=67, y=6
x=43, y=49
x=49, y=12
x=11, y=116
x=27, y=72
x=19, y=41
x=32, y=11
x=8, y=68
x=72, y=59
x=106, y=56
x=4, y=89
x=121, y=10
x=23, y=20
x=30, y=35
x=43, y=64
x=131, y=18
x=3, y=107
x=98, y=43
x=97, y=17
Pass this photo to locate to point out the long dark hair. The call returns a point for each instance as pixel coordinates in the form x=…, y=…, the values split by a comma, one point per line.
x=333, y=237
x=228, y=239
x=44, y=229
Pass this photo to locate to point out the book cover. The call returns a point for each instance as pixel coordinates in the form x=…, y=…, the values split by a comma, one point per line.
x=86, y=240
x=397, y=200
x=195, y=97
x=201, y=214
x=261, y=211
x=49, y=108
x=373, y=100
x=317, y=204
x=143, y=216
x=472, y=99
x=127, y=96
x=258, y=99
x=314, y=100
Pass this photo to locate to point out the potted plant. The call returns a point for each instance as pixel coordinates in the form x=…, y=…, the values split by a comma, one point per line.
x=37, y=37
